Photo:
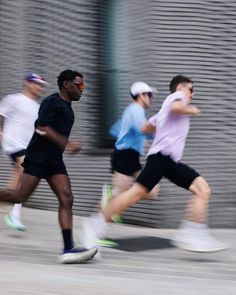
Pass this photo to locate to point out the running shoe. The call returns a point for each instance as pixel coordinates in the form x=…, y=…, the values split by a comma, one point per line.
x=116, y=218
x=197, y=240
x=14, y=223
x=77, y=255
x=106, y=243
x=106, y=195
x=106, y=198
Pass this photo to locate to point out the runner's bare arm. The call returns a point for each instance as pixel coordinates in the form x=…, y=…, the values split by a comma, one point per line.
x=179, y=108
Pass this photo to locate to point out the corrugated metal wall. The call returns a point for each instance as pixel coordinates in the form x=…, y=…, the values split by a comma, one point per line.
x=150, y=41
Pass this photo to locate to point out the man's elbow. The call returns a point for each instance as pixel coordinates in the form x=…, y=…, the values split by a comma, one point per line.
x=41, y=130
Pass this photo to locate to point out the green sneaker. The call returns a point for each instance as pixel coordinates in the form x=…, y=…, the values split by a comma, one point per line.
x=106, y=195
x=14, y=223
x=117, y=218
x=106, y=198
x=106, y=243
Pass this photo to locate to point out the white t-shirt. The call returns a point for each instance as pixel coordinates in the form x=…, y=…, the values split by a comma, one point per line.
x=20, y=113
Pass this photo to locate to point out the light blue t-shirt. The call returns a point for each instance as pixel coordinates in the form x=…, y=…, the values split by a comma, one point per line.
x=127, y=129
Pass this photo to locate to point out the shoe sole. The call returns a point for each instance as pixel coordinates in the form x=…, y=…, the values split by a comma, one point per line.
x=73, y=258
x=200, y=250
x=106, y=243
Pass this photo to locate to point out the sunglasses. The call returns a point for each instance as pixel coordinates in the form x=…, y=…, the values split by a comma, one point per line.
x=79, y=85
x=149, y=94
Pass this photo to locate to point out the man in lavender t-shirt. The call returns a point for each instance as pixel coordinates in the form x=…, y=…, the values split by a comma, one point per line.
x=171, y=126
x=172, y=129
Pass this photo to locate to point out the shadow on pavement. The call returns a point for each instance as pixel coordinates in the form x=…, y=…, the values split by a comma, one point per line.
x=142, y=243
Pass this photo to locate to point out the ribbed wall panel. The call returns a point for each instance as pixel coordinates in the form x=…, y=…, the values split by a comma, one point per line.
x=153, y=41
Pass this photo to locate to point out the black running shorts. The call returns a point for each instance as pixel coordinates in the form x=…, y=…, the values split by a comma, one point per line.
x=158, y=165
x=125, y=162
x=45, y=169
x=16, y=155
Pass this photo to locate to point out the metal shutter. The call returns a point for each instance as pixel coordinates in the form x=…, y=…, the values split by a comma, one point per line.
x=153, y=41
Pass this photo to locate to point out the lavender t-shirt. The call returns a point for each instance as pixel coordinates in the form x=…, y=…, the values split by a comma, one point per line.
x=171, y=129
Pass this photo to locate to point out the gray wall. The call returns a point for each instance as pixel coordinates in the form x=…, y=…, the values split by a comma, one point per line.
x=114, y=45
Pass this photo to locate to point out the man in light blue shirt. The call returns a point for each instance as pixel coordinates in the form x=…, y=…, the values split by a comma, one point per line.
x=129, y=145
x=130, y=125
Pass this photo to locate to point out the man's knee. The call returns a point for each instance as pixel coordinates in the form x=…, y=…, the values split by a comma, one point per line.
x=66, y=198
x=200, y=188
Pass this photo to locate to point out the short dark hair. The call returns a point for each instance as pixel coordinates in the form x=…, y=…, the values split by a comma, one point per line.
x=67, y=75
x=135, y=97
x=179, y=79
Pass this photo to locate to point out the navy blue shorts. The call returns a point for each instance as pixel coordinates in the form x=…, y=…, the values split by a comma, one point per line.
x=125, y=162
x=45, y=169
x=159, y=166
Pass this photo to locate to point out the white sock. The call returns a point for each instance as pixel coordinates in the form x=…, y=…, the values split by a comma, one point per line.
x=16, y=211
x=99, y=224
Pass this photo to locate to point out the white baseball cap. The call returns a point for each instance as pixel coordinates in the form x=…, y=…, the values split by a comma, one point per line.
x=141, y=87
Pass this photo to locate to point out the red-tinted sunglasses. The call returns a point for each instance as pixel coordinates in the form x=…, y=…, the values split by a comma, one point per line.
x=79, y=85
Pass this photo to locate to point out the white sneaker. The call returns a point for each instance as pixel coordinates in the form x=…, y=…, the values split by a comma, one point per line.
x=197, y=239
x=93, y=228
x=77, y=255
x=14, y=223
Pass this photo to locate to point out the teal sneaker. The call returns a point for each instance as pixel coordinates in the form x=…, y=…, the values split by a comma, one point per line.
x=14, y=223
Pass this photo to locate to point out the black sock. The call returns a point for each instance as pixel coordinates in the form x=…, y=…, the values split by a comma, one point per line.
x=68, y=239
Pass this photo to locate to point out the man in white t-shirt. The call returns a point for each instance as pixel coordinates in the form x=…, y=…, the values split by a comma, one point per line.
x=18, y=113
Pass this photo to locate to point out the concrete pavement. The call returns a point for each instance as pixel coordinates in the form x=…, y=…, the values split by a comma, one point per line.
x=145, y=262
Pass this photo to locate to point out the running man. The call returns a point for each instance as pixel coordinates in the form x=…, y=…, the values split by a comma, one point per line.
x=44, y=159
x=129, y=145
x=18, y=113
x=164, y=160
